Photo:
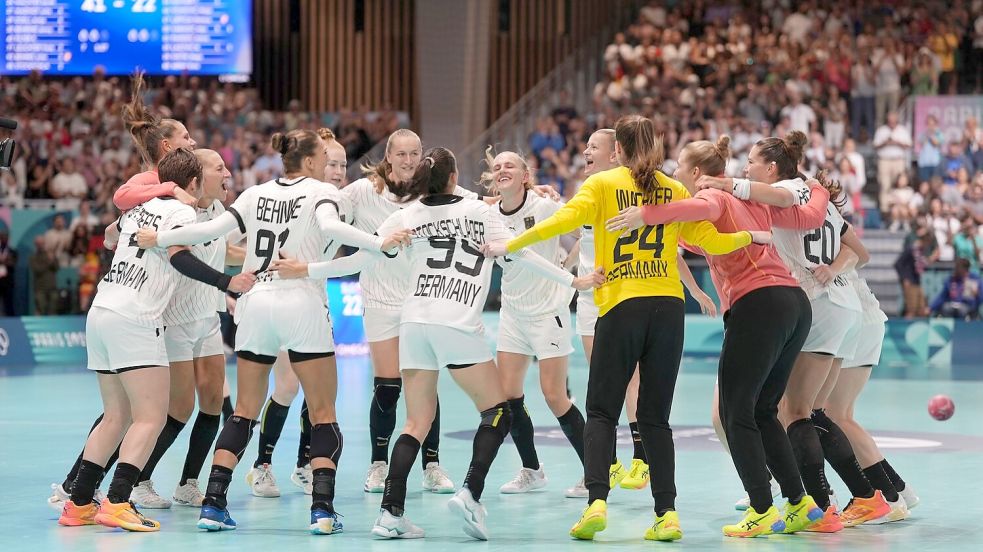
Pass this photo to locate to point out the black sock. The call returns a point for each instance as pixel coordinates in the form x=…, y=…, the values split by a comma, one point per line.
x=839, y=454
x=168, y=434
x=523, y=434
x=86, y=482
x=304, y=448
x=382, y=416
x=879, y=479
x=572, y=424
x=124, y=479
x=636, y=441
x=323, y=494
x=896, y=480
x=274, y=416
x=73, y=473
x=227, y=409
x=404, y=453
x=494, y=427
x=431, y=443
x=809, y=456
x=217, y=491
x=202, y=436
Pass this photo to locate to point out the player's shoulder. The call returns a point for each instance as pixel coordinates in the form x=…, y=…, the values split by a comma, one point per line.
x=538, y=204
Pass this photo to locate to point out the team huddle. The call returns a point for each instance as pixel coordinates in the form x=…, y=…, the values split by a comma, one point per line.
x=782, y=258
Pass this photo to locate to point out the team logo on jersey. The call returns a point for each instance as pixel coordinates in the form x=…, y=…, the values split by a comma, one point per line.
x=530, y=222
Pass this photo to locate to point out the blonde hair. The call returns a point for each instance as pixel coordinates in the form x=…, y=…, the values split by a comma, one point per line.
x=379, y=173
x=487, y=181
x=147, y=129
x=710, y=158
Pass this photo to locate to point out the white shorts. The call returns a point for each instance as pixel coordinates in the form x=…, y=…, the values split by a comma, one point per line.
x=380, y=324
x=432, y=347
x=114, y=342
x=587, y=312
x=293, y=320
x=832, y=329
x=547, y=337
x=868, y=352
x=198, y=339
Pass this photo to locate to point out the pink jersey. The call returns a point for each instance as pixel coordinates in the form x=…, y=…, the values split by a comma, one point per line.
x=140, y=188
x=756, y=266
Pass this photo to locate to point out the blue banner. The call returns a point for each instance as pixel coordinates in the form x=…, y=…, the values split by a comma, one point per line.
x=345, y=306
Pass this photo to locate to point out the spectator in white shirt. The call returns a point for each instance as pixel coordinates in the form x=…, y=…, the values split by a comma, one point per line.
x=888, y=66
x=68, y=182
x=801, y=117
x=893, y=142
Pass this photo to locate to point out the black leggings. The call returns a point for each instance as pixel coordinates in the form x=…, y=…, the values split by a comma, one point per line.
x=647, y=331
x=764, y=332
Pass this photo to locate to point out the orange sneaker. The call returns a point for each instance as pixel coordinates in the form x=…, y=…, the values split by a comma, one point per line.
x=75, y=516
x=829, y=523
x=862, y=510
x=124, y=516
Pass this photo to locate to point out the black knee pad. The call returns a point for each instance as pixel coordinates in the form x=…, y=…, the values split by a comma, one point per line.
x=326, y=442
x=821, y=420
x=499, y=418
x=386, y=393
x=235, y=435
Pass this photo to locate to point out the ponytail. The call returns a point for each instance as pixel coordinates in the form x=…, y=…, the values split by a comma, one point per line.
x=433, y=174
x=643, y=151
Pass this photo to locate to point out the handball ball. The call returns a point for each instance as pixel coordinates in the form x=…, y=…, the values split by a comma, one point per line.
x=941, y=407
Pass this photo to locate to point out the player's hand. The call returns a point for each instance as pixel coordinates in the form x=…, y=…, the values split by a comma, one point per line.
x=243, y=282
x=230, y=305
x=289, y=269
x=589, y=281
x=760, y=237
x=546, y=191
x=184, y=197
x=628, y=219
x=706, y=182
x=824, y=274
x=706, y=304
x=146, y=238
x=396, y=240
x=494, y=249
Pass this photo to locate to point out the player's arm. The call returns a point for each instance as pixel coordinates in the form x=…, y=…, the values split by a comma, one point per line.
x=537, y=264
x=234, y=255
x=579, y=210
x=187, y=264
x=331, y=225
x=845, y=261
x=706, y=237
x=111, y=238
x=703, y=206
x=745, y=189
x=686, y=275
x=191, y=234
x=143, y=189
x=850, y=239
x=573, y=256
x=804, y=217
x=335, y=268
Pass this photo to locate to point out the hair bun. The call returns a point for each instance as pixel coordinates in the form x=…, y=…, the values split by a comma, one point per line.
x=795, y=142
x=723, y=146
x=280, y=143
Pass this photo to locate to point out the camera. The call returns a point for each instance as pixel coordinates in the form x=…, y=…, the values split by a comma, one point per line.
x=7, y=144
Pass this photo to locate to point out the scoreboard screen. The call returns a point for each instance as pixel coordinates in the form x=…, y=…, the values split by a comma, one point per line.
x=161, y=37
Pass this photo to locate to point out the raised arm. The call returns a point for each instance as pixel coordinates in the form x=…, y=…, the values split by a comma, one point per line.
x=188, y=235
x=851, y=240
x=579, y=210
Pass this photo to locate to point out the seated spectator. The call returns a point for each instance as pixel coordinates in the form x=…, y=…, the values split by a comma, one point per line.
x=968, y=244
x=954, y=160
x=900, y=204
x=960, y=297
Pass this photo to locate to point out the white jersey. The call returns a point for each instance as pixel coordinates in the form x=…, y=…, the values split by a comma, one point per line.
x=871, y=306
x=586, y=264
x=448, y=276
x=194, y=300
x=525, y=294
x=384, y=286
x=278, y=218
x=140, y=282
x=804, y=250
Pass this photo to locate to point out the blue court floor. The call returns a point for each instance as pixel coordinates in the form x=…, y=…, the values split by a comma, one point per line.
x=45, y=413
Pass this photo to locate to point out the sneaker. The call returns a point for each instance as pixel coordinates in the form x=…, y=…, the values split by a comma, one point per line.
x=375, y=480
x=802, y=515
x=592, y=521
x=638, y=476
x=146, y=497
x=616, y=474
x=189, y=494
x=324, y=522
x=436, y=480
x=215, y=519
x=665, y=528
x=473, y=512
x=388, y=526
x=125, y=516
x=578, y=490
x=909, y=496
x=76, y=516
x=755, y=524
x=899, y=512
x=745, y=502
x=832, y=500
x=304, y=478
x=864, y=510
x=262, y=483
x=58, y=497
x=526, y=480
x=829, y=523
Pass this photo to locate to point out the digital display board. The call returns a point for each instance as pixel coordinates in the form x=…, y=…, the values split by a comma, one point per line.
x=73, y=37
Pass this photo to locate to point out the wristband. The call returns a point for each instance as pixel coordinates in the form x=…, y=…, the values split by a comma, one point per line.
x=742, y=188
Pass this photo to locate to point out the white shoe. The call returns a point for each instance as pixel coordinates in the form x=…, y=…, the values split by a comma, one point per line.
x=388, y=526
x=58, y=497
x=473, y=512
x=909, y=496
x=189, y=494
x=375, y=479
x=436, y=480
x=899, y=512
x=144, y=496
x=304, y=478
x=526, y=480
x=833, y=502
x=745, y=503
x=262, y=483
x=578, y=490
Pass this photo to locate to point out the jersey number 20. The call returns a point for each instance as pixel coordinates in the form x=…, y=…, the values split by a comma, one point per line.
x=825, y=237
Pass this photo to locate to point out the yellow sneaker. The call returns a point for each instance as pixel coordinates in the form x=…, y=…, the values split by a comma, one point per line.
x=665, y=528
x=594, y=520
x=76, y=516
x=638, y=476
x=800, y=516
x=616, y=473
x=124, y=516
x=755, y=524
